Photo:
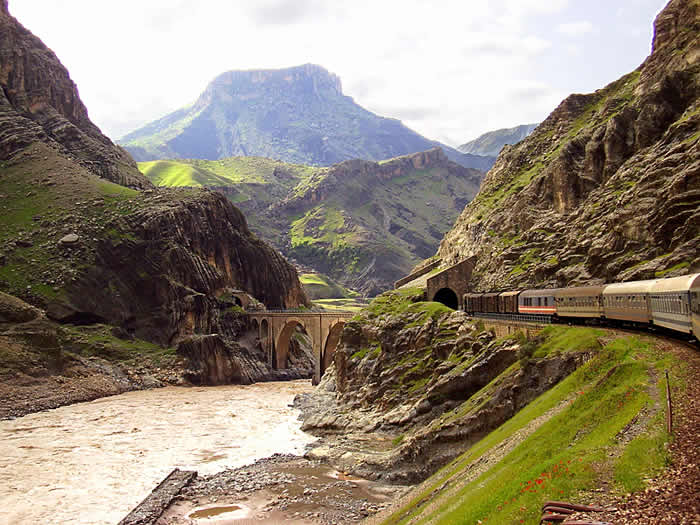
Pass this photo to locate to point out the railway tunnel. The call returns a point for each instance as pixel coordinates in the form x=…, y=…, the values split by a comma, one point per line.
x=448, y=297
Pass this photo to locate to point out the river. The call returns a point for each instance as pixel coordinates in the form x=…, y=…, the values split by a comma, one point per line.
x=93, y=462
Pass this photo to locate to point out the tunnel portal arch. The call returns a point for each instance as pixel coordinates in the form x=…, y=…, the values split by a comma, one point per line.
x=448, y=297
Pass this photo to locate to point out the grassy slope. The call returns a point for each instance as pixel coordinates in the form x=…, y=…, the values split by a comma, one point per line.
x=319, y=286
x=39, y=196
x=574, y=451
x=398, y=222
x=249, y=175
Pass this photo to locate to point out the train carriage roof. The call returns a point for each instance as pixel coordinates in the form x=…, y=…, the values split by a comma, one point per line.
x=677, y=284
x=510, y=294
x=632, y=287
x=492, y=294
x=580, y=291
x=543, y=292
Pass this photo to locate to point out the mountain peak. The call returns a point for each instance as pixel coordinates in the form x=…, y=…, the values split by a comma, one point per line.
x=297, y=114
x=307, y=76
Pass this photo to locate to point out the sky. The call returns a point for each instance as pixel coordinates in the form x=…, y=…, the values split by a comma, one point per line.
x=450, y=70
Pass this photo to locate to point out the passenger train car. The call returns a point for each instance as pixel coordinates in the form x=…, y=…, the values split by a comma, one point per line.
x=669, y=303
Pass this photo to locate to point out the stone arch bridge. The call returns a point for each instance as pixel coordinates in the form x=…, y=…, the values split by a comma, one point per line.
x=275, y=330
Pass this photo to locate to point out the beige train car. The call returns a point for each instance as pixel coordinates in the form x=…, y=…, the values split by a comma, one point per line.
x=583, y=301
x=672, y=305
x=628, y=301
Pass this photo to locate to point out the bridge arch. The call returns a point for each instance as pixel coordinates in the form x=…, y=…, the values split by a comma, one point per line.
x=448, y=297
x=328, y=352
x=281, y=355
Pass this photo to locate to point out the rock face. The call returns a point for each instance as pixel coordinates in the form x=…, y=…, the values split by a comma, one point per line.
x=160, y=275
x=490, y=144
x=428, y=377
x=297, y=114
x=607, y=188
x=39, y=102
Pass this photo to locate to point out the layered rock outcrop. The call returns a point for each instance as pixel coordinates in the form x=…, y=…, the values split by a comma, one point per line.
x=607, y=188
x=415, y=384
x=40, y=102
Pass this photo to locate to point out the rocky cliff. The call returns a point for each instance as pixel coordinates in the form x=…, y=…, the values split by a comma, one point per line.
x=39, y=101
x=156, y=267
x=416, y=384
x=607, y=188
x=297, y=114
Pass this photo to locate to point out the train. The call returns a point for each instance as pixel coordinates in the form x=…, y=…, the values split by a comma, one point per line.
x=672, y=303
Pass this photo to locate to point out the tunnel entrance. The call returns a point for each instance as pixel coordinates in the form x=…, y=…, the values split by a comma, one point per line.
x=447, y=297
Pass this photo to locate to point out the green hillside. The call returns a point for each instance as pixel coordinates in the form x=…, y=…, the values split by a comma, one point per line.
x=362, y=223
x=602, y=426
x=177, y=174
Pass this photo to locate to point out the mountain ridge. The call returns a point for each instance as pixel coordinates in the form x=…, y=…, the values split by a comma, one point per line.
x=360, y=222
x=297, y=114
x=491, y=143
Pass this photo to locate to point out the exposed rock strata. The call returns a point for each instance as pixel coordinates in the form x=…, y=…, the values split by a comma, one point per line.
x=607, y=188
x=39, y=102
x=407, y=393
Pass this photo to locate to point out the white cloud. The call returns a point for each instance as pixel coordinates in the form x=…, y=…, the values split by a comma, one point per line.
x=575, y=29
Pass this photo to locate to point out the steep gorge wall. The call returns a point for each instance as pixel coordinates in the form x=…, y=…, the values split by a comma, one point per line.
x=39, y=101
x=153, y=266
x=607, y=188
x=160, y=276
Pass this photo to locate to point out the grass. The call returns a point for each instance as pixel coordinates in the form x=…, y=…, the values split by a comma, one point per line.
x=319, y=286
x=347, y=305
x=394, y=302
x=643, y=457
x=679, y=266
x=567, y=453
x=98, y=340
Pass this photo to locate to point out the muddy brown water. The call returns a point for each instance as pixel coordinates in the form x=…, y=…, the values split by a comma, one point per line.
x=93, y=462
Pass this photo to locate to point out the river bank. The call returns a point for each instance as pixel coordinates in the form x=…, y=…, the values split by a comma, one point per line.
x=281, y=488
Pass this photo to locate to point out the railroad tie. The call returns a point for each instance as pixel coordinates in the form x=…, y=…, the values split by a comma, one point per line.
x=561, y=511
x=572, y=506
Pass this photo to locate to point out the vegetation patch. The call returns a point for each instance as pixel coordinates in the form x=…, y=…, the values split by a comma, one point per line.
x=572, y=447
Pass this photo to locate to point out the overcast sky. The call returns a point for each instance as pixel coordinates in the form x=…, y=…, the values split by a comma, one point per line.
x=450, y=70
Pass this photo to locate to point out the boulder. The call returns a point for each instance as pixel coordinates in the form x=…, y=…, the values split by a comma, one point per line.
x=69, y=240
